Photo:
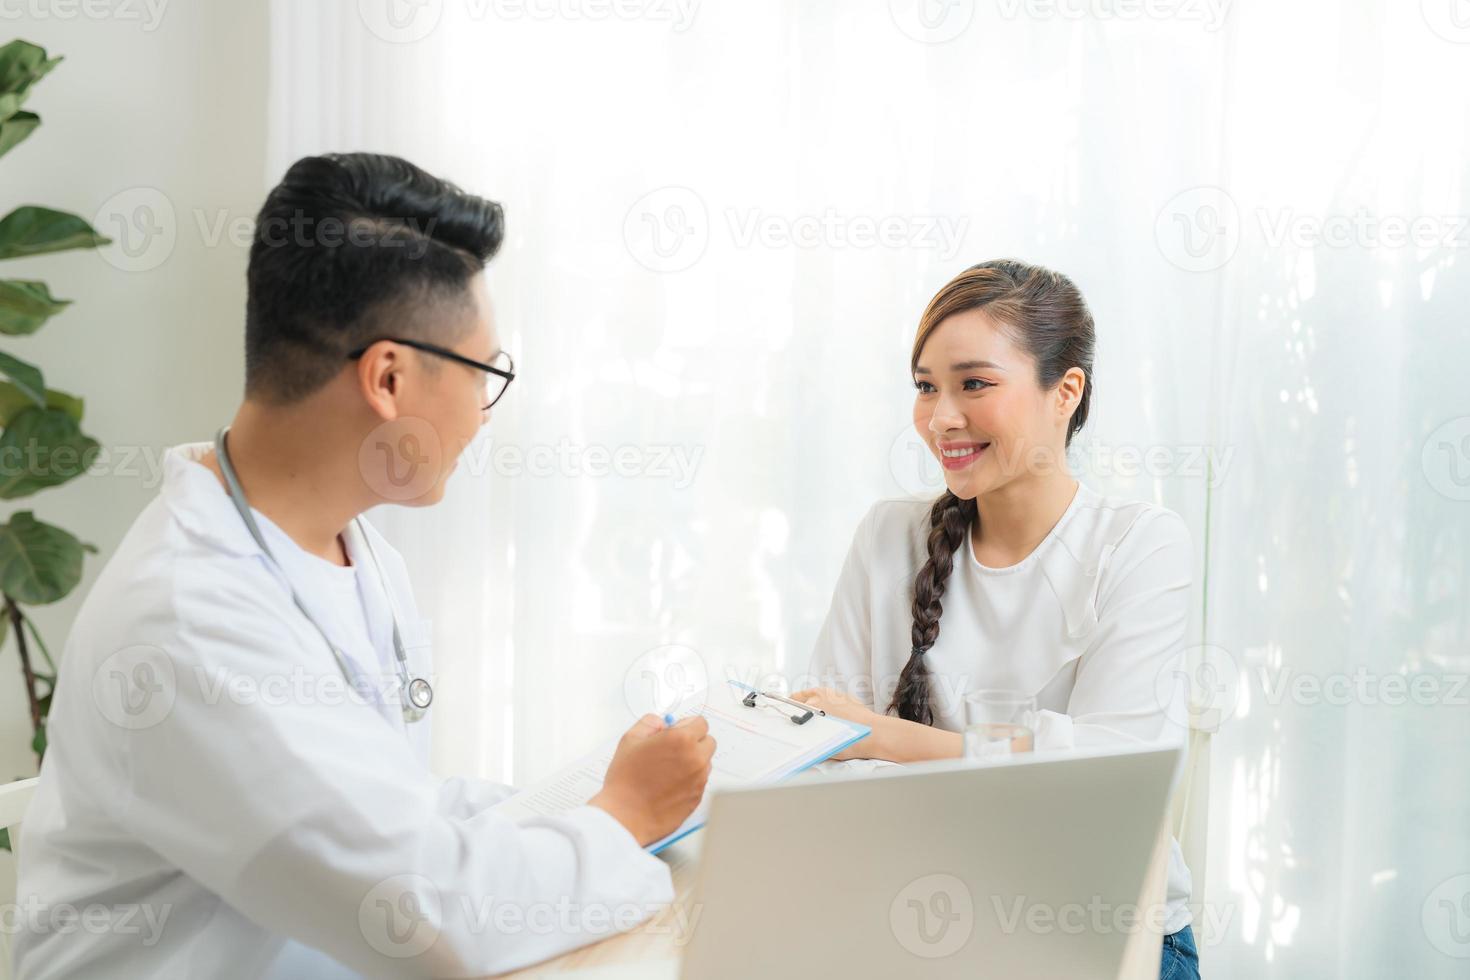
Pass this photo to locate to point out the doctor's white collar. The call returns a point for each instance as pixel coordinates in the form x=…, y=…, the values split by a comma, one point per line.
x=198, y=501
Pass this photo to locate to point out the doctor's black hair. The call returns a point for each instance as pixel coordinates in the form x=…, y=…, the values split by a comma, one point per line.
x=349, y=248
x=1043, y=311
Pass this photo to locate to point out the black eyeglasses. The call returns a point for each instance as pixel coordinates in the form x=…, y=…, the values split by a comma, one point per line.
x=498, y=376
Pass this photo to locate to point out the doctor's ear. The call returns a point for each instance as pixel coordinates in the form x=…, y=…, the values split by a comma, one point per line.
x=378, y=376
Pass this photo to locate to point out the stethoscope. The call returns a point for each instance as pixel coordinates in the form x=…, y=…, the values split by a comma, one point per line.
x=420, y=693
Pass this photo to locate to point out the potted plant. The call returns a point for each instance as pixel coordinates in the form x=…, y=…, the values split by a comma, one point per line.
x=41, y=441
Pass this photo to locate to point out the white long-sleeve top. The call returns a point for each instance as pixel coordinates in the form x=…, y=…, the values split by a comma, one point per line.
x=1092, y=622
x=214, y=803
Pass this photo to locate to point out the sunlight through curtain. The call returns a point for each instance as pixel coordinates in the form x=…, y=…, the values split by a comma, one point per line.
x=723, y=224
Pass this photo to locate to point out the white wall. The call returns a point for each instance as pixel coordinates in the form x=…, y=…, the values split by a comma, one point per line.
x=165, y=113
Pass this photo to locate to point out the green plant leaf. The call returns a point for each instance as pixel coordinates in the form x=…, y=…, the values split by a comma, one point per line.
x=4, y=838
x=13, y=131
x=38, y=741
x=26, y=377
x=32, y=230
x=25, y=305
x=22, y=65
x=39, y=563
x=13, y=401
x=42, y=447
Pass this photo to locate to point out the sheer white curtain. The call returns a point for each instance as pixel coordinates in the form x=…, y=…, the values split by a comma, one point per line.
x=1339, y=556
x=723, y=224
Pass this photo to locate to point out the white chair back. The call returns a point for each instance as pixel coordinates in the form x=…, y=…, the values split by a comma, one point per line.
x=1189, y=815
x=14, y=799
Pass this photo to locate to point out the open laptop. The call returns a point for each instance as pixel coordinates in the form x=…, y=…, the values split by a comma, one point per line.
x=1028, y=866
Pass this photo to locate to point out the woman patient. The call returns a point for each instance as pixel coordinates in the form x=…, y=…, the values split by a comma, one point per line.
x=1040, y=584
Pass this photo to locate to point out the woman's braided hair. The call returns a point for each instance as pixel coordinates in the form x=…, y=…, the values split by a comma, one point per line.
x=1045, y=313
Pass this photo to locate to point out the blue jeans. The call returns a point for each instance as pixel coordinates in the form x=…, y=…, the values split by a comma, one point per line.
x=1180, y=959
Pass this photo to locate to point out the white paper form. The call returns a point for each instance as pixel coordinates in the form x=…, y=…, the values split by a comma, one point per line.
x=752, y=745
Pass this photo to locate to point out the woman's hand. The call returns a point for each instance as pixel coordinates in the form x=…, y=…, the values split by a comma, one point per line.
x=841, y=706
x=893, y=739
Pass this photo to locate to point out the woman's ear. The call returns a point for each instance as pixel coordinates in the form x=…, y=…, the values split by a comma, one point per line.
x=1069, y=392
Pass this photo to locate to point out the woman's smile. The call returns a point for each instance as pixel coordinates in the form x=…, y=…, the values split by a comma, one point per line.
x=958, y=455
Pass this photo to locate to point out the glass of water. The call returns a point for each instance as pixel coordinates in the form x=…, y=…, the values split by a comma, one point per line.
x=998, y=722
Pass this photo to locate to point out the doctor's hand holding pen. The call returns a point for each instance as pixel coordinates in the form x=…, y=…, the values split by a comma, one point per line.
x=657, y=775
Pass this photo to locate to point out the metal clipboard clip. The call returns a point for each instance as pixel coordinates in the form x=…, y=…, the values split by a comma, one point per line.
x=807, y=711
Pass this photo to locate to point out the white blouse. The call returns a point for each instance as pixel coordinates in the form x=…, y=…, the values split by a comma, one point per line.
x=1092, y=622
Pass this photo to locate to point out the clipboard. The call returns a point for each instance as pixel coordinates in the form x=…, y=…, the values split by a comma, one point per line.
x=758, y=740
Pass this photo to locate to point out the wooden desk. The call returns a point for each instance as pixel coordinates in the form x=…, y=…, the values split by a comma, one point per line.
x=657, y=942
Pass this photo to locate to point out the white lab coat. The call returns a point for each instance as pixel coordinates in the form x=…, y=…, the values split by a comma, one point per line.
x=211, y=799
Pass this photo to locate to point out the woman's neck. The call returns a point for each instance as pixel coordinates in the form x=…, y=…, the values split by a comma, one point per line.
x=1016, y=518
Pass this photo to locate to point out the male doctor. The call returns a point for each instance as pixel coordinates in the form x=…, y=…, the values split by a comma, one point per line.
x=237, y=783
